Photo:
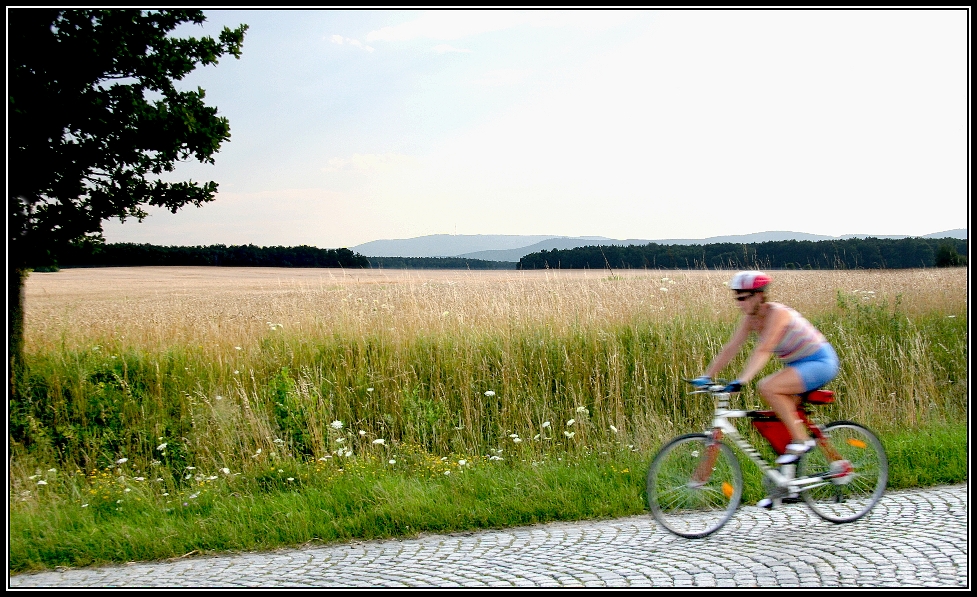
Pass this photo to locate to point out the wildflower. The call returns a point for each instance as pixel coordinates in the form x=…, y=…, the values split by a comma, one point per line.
x=84, y=505
x=193, y=468
x=258, y=452
x=290, y=479
x=379, y=441
x=52, y=470
x=546, y=423
x=663, y=289
x=279, y=441
x=495, y=457
x=513, y=435
x=42, y=482
x=516, y=440
x=226, y=471
x=162, y=446
x=489, y=393
x=218, y=397
x=195, y=496
x=583, y=409
x=613, y=428
x=362, y=432
x=212, y=477
x=166, y=493
x=536, y=437
x=447, y=472
x=128, y=490
x=140, y=478
x=369, y=389
x=392, y=461
x=340, y=440
x=122, y=461
x=236, y=372
x=569, y=433
x=237, y=348
x=571, y=422
x=336, y=424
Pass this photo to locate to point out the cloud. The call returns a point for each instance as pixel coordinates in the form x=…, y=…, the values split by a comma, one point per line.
x=371, y=163
x=445, y=48
x=339, y=39
x=502, y=77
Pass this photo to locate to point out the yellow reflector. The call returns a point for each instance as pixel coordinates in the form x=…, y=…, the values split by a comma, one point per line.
x=727, y=490
x=857, y=443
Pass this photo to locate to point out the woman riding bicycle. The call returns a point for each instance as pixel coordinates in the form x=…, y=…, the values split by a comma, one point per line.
x=810, y=360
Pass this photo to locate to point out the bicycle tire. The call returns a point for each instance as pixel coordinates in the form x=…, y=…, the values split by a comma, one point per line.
x=852, y=495
x=687, y=508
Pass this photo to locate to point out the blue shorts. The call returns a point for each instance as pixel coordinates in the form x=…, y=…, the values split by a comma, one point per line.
x=817, y=369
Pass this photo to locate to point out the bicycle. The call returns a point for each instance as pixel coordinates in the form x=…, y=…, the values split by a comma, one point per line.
x=695, y=482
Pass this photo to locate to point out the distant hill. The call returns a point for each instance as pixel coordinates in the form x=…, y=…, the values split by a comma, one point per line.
x=497, y=247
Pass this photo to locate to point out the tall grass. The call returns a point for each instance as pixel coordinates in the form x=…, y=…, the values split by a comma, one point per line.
x=177, y=380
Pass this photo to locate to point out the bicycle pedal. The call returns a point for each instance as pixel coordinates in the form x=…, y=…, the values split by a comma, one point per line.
x=766, y=503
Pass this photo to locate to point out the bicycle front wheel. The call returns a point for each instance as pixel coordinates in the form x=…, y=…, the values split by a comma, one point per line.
x=855, y=481
x=694, y=485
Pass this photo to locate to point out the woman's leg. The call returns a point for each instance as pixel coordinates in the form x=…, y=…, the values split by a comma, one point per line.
x=780, y=390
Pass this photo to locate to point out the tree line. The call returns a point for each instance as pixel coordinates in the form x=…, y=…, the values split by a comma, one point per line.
x=130, y=254
x=854, y=253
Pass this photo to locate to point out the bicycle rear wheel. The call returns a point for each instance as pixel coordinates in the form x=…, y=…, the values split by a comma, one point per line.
x=694, y=486
x=857, y=480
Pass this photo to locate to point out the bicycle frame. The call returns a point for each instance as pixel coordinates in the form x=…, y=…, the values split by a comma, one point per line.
x=721, y=426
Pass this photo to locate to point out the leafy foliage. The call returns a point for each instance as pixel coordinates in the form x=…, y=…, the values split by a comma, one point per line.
x=94, y=120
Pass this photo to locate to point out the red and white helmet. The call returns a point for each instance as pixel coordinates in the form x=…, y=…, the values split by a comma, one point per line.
x=749, y=281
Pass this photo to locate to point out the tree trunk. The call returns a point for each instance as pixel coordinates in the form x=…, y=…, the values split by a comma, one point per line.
x=15, y=328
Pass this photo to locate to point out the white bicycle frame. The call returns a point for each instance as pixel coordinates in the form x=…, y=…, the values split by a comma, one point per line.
x=722, y=425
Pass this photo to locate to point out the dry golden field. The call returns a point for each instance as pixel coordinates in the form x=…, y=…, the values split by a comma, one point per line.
x=155, y=307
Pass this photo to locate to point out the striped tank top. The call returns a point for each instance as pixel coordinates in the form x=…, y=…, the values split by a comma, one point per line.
x=800, y=339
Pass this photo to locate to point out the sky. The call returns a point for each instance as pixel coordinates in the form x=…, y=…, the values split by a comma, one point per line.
x=349, y=126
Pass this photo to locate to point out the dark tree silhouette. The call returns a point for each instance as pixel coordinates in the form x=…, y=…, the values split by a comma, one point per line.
x=93, y=120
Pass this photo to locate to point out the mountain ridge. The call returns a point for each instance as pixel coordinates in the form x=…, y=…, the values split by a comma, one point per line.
x=512, y=247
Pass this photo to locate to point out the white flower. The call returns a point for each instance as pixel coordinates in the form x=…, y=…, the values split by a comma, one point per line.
x=362, y=432
x=340, y=440
x=128, y=490
x=218, y=397
x=546, y=423
x=536, y=436
x=195, y=496
x=290, y=479
x=495, y=458
x=43, y=482
x=369, y=389
x=336, y=424
x=193, y=468
x=122, y=461
x=226, y=471
x=236, y=372
x=513, y=435
x=140, y=478
x=447, y=472
x=258, y=451
x=569, y=433
x=582, y=409
x=571, y=422
x=613, y=428
x=237, y=348
x=489, y=393
x=391, y=461
x=84, y=505
x=663, y=289
x=162, y=446
x=379, y=441
x=516, y=440
x=52, y=470
x=212, y=477
x=462, y=462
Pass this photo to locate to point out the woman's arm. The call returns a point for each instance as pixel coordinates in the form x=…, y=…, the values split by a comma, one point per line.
x=729, y=351
x=777, y=321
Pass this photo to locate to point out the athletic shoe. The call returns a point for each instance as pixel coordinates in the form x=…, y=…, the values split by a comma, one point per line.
x=794, y=451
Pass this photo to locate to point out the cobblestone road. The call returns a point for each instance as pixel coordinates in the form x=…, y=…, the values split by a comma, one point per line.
x=912, y=538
